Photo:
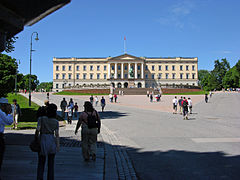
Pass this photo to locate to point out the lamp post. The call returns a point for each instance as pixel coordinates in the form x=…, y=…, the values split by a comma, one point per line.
x=16, y=78
x=31, y=50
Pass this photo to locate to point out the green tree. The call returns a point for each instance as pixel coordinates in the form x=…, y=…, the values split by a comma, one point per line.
x=46, y=86
x=20, y=82
x=9, y=44
x=34, y=82
x=202, y=75
x=8, y=69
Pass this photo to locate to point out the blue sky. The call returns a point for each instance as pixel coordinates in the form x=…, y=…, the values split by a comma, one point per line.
x=207, y=29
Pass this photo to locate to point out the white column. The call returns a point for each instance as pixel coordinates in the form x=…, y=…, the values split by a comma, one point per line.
x=109, y=71
x=129, y=66
x=115, y=75
x=142, y=71
x=122, y=70
x=135, y=70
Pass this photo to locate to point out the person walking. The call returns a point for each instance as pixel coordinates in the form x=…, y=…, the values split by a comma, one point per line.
x=48, y=128
x=75, y=110
x=175, y=102
x=190, y=105
x=63, y=106
x=103, y=103
x=16, y=112
x=180, y=105
x=151, y=98
x=115, y=98
x=91, y=99
x=47, y=95
x=91, y=124
x=206, y=98
x=6, y=118
x=111, y=98
x=70, y=114
x=185, y=108
x=96, y=101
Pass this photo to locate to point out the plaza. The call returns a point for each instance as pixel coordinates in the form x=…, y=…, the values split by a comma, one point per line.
x=145, y=140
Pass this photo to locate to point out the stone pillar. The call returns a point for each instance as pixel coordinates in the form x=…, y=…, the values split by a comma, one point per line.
x=115, y=74
x=129, y=66
x=109, y=71
x=122, y=70
x=135, y=70
x=142, y=71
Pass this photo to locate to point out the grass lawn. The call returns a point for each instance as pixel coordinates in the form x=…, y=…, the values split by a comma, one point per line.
x=28, y=118
x=188, y=93
x=75, y=93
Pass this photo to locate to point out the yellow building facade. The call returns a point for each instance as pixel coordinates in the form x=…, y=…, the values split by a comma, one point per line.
x=124, y=71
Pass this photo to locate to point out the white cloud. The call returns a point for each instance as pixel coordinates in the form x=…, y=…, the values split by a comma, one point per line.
x=177, y=14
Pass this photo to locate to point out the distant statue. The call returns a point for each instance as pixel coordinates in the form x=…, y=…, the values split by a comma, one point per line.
x=131, y=73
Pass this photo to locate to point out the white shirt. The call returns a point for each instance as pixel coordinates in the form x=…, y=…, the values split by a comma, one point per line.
x=96, y=99
x=5, y=120
x=189, y=102
x=175, y=101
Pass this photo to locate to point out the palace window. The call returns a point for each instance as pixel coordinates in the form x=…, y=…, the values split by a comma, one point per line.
x=166, y=75
x=112, y=67
x=146, y=67
x=69, y=68
x=84, y=76
x=91, y=68
x=125, y=76
x=146, y=76
x=193, y=67
x=91, y=76
x=98, y=76
x=57, y=68
x=186, y=67
x=166, y=67
x=77, y=68
x=181, y=68
x=160, y=76
x=153, y=67
x=159, y=67
x=139, y=67
x=119, y=67
x=69, y=76
x=193, y=76
x=119, y=76
x=63, y=68
x=98, y=68
x=181, y=76
x=104, y=68
x=187, y=76
x=153, y=76
x=173, y=75
x=77, y=76
x=62, y=85
x=63, y=76
x=69, y=85
x=57, y=86
x=57, y=76
x=173, y=67
x=105, y=76
x=84, y=68
x=138, y=76
x=125, y=67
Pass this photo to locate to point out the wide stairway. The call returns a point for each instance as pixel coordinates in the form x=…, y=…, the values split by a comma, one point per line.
x=135, y=91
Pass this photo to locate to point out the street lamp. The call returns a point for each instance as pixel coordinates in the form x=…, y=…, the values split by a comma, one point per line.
x=16, y=78
x=31, y=50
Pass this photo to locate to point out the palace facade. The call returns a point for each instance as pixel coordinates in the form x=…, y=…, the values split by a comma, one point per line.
x=145, y=72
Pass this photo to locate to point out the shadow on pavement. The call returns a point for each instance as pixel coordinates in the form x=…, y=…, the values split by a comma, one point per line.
x=172, y=164
x=111, y=114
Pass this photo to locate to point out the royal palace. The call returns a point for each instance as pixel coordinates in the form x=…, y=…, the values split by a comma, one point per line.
x=124, y=71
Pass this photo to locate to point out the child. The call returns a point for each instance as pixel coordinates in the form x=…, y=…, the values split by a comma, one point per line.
x=69, y=109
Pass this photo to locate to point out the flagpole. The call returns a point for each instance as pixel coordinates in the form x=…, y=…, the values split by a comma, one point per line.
x=125, y=52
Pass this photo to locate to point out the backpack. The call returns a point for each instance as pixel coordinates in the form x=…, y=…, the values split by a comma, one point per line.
x=92, y=121
x=185, y=104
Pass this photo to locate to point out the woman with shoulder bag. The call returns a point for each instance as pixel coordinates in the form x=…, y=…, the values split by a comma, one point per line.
x=48, y=127
x=91, y=124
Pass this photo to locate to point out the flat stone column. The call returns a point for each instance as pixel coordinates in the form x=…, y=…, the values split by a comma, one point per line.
x=109, y=71
x=142, y=71
x=115, y=74
x=135, y=70
x=129, y=66
x=122, y=70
